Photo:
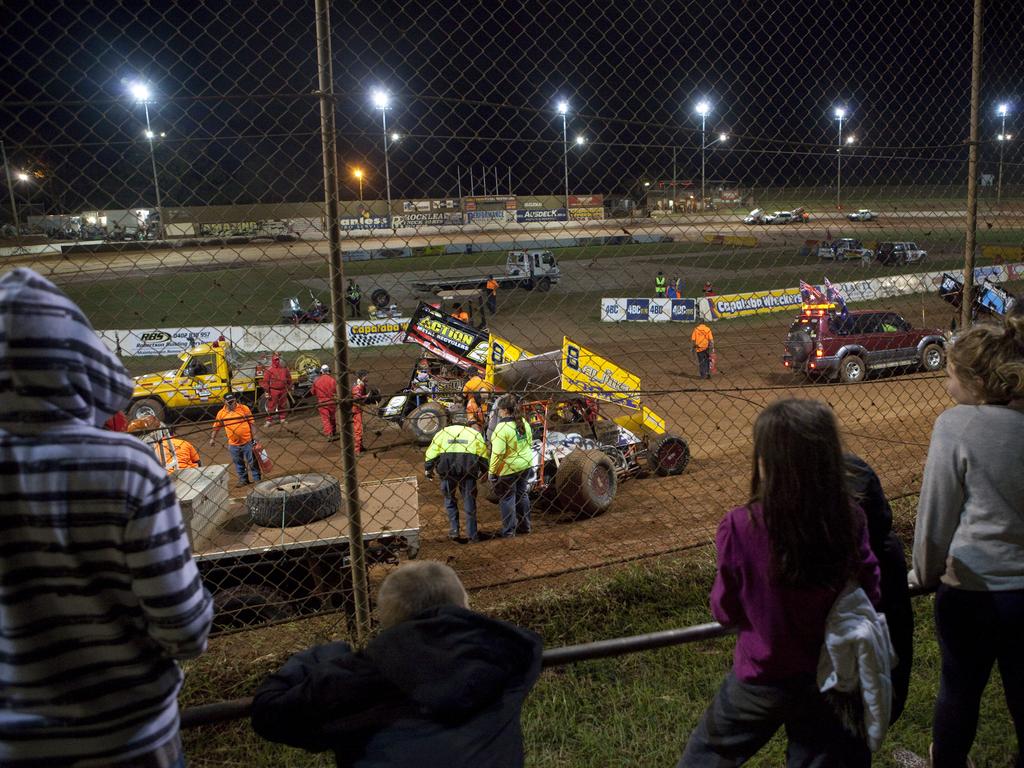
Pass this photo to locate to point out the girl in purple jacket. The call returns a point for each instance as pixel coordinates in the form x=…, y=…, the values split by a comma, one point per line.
x=782, y=561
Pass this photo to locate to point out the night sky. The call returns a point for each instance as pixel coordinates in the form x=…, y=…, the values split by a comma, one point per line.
x=475, y=84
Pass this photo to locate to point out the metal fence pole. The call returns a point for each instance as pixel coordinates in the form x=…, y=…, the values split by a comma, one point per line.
x=361, y=596
x=10, y=190
x=967, y=301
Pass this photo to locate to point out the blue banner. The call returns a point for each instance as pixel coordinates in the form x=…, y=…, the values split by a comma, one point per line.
x=638, y=309
x=524, y=215
x=684, y=310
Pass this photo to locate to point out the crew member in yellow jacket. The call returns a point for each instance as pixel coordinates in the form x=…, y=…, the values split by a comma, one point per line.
x=458, y=454
x=511, y=461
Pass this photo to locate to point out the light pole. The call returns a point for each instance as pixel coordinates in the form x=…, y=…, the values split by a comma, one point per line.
x=840, y=114
x=358, y=173
x=1003, y=138
x=140, y=92
x=10, y=187
x=563, y=110
x=703, y=109
x=381, y=100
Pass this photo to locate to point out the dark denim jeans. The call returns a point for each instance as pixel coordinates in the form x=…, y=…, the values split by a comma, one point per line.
x=514, y=503
x=976, y=630
x=467, y=486
x=243, y=455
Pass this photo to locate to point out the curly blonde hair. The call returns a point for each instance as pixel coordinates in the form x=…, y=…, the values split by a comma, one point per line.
x=988, y=359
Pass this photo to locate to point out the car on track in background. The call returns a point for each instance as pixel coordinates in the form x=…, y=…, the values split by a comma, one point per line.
x=893, y=254
x=756, y=216
x=844, y=248
x=862, y=215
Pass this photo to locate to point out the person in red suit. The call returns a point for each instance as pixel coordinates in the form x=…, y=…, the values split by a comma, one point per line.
x=277, y=382
x=359, y=392
x=325, y=388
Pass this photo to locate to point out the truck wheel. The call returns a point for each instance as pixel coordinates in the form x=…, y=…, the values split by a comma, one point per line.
x=852, y=370
x=544, y=284
x=249, y=606
x=293, y=500
x=426, y=421
x=585, y=484
x=380, y=297
x=933, y=357
x=526, y=285
x=668, y=455
x=147, y=407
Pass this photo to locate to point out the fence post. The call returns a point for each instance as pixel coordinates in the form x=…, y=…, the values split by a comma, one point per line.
x=348, y=449
x=967, y=300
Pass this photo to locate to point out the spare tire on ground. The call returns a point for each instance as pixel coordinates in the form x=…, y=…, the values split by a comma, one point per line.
x=585, y=484
x=380, y=298
x=293, y=500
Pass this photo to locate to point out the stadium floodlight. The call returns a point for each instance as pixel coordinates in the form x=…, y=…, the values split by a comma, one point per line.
x=840, y=113
x=143, y=94
x=563, y=110
x=723, y=137
x=703, y=109
x=358, y=173
x=382, y=101
x=1003, y=111
x=851, y=139
x=22, y=176
x=580, y=141
x=563, y=107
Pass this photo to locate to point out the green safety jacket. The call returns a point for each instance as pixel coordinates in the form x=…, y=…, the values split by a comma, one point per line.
x=510, y=453
x=659, y=285
x=354, y=294
x=457, y=451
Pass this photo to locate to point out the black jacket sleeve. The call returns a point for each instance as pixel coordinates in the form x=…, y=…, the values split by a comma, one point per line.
x=326, y=697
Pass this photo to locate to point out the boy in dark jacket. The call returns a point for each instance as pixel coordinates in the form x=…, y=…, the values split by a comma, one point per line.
x=866, y=489
x=440, y=685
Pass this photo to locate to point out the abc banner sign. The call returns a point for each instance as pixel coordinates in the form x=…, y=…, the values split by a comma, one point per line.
x=649, y=310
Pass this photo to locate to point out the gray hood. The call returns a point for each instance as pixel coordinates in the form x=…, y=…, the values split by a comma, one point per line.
x=54, y=370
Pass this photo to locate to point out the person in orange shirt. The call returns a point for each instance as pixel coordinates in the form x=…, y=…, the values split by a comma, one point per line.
x=237, y=422
x=173, y=452
x=459, y=313
x=478, y=395
x=492, y=294
x=703, y=345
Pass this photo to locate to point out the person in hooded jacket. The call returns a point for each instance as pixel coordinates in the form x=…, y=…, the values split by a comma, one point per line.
x=99, y=594
x=866, y=490
x=440, y=685
x=277, y=381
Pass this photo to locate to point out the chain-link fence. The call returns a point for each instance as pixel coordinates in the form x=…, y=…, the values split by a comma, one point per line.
x=610, y=210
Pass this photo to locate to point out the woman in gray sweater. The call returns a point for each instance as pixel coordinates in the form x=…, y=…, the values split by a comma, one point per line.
x=969, y=539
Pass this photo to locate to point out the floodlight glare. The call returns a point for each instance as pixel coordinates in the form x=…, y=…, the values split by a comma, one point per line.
x=139, y=91
x=381, y=99
x=703, y=108
x=563, y=107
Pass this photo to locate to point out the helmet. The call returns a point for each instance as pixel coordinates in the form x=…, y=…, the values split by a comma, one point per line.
x=325, y=368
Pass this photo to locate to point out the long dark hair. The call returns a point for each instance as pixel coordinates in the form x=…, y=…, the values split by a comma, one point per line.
x=512, y=405
x=799, y=479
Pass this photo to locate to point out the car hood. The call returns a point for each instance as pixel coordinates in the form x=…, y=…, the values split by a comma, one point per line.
x=153, y=380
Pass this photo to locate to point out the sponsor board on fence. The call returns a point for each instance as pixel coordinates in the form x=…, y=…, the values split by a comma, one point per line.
x=1002, y=252
x=544, y=214
x=485, y=216
x=754, y=303
x=586, y=201
x=587, y=372
x=472, y=203
x=170, y=342
x=740, y=240
x=586, y=214
x=364, y=222
x=649, y=310
x=430, y=219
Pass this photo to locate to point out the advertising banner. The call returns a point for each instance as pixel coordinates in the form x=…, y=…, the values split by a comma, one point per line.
x=586, y=214
x=160, y=342
x=589, y=373
x=415, y=206
x=376, y=333
x=432, y=219
x=499, y=352
x=524, y=215
x=509, y=203
x=448, y=338
x=485, y=216
x=649, y=310
x=754, y=303
x=364, y=222
x=741, y=240
x=586, y=201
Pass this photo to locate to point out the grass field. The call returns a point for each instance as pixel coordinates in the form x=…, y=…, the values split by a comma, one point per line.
x=635, y=710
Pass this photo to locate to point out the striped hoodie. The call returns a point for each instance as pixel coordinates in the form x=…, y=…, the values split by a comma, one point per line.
x=98, y=591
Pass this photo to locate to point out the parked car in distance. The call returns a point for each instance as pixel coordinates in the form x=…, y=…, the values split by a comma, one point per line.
x=843, y=248
x=862, y=215
x=779, y=217
x=892, y=254
x=826, y=343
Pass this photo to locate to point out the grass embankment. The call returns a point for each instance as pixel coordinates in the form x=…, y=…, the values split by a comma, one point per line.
x=634, y=710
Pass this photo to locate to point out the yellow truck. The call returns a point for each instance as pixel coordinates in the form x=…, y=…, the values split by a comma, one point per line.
x=205, y=374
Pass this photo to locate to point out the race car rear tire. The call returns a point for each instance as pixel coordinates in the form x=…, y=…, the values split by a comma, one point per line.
x=933, y=357
x=668, y=455
x=585, y=484
x=147, y=405
x=426, y=421
x=293, y=500
x=852, y=369
x=544, y=284
x=380, y=298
